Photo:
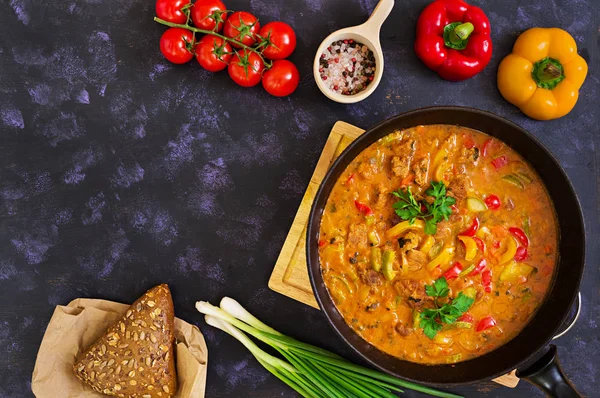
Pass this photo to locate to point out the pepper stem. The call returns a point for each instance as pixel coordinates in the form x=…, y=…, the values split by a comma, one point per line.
x=456, y=34
x=547, y=73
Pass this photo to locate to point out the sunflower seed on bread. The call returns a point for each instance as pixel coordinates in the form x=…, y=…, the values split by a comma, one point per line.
x=134, y=358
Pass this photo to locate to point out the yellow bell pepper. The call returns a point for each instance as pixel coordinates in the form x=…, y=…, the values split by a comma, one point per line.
x=428, y=244
x=470, y=245
x=403, y=226
x=443, y=259
x=511, y=250
x=543, y=74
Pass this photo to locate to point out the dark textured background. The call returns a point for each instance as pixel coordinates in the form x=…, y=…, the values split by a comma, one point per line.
x=120, y=171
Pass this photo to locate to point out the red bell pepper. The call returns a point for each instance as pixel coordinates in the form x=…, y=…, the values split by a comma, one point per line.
x=472, y=229
x=453, y=39
x=322, y=243
x=480, y=244
x=466, y=317
x=521, y=253
x=350, y=179
x=486, y=323
x=486, y=280
x=453, y=272
x=520, y=235
x=479, y=267
x=500, y=162
x=363, y=208
x=486, y=147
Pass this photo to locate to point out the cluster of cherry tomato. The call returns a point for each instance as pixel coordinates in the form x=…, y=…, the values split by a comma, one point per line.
x=250, y=53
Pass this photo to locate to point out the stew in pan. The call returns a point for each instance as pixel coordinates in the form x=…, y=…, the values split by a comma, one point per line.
x=438, y=243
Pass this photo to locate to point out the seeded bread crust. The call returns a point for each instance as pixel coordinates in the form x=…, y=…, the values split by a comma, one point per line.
x=135, y=358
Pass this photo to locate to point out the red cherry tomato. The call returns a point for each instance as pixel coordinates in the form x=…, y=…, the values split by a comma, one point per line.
x=243, y=27
x=213, y=53
x=246, y=68
x=279, y=39
x=492, y=202
x=282, y=79
x=174, y=45
x=170, y=10
x=486, y=323
x=207, y=14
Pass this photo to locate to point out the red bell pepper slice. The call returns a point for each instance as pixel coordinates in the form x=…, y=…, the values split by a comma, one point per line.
x=363, y=208
x=466, y=317
x=520, y=235
x=493, y=202
x=486, y=280
x=350, y=179
x=521, y=253
x=472, y=229
x=486, y=323
x=322, y=243
x=453, y=39
x=453, y=272
x=500, y=162
x=486, y=147
x=479, y=267
x=469, y=142
x=480, y=244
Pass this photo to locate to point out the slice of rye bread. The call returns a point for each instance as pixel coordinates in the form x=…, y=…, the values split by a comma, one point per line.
x=135, y=357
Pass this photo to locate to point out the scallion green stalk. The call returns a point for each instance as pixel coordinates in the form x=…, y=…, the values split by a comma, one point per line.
x=310, y=370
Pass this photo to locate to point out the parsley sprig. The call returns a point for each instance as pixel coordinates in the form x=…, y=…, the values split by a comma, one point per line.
x=433, y=320
x=408, y=208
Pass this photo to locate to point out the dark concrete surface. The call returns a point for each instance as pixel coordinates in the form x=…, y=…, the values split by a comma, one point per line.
x=119, y=171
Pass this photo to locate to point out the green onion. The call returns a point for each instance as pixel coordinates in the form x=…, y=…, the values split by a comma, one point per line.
x=309, y=370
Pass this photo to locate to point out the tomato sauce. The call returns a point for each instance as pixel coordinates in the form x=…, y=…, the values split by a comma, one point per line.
x=498, y=246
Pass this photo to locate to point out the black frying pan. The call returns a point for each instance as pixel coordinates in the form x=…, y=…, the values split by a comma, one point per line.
x=524, y=351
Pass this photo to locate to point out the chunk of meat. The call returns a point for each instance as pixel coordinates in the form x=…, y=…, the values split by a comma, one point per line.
x=366, y=170
x=444, y=230
x=405, y=147
x=409, y=241
x=413, y=292
x=403, y=329
x=400, y=166
x=381, y=196
x=421, y=170
x=459, y=187
x=416, y=260
x=468, y=155
x=357, y=235
x=371, y=277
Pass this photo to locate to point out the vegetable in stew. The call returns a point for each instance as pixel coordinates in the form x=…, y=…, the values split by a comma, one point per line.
x=438, y=243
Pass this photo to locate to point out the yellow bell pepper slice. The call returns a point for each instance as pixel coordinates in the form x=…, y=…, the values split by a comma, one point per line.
x=471, y=246
x=513, y=270
x=511, y=250
x=404, y=226
x=427, y=244
x=442, y=259
x=543, y=74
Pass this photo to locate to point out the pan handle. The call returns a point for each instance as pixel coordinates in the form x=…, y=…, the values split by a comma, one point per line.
x=547, y=375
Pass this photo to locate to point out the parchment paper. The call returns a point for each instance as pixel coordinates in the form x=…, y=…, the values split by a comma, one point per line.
x=74, y=327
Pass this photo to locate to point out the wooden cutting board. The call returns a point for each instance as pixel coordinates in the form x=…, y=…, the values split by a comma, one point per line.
x=290, y=275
